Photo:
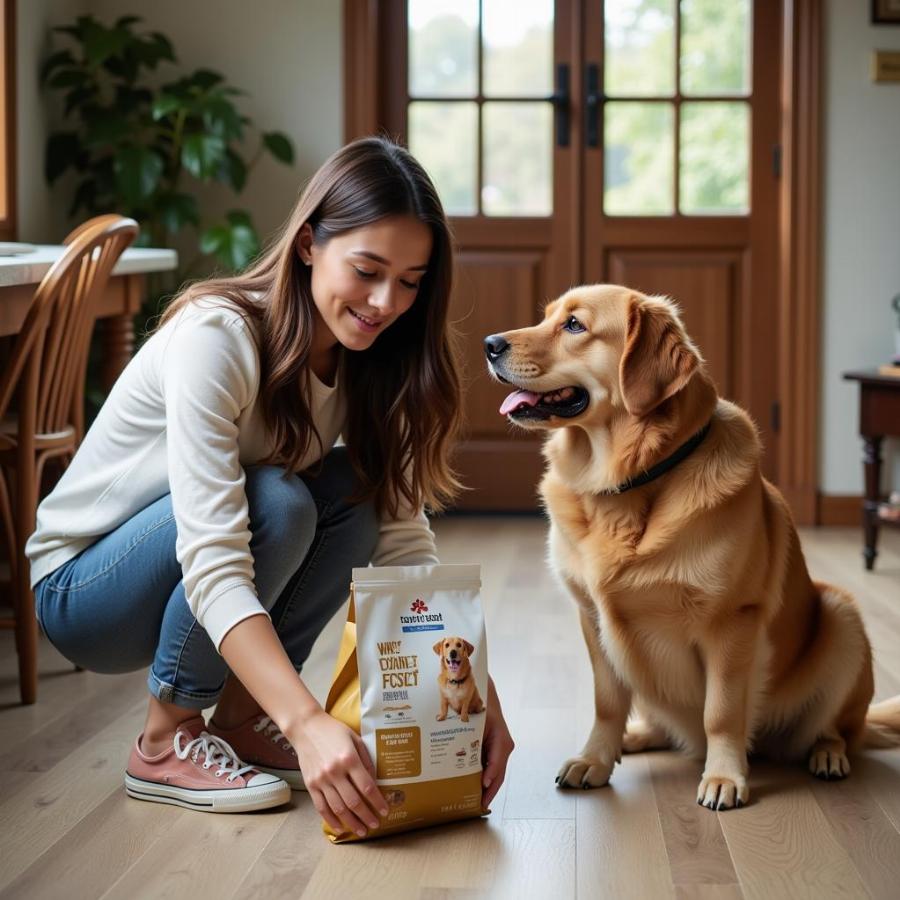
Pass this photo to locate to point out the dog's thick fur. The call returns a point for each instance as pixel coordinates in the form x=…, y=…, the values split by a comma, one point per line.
x=458, y=689
x=694, y=597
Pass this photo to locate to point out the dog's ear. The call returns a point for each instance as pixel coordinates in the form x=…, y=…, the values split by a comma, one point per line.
x=437, y=647
x=659, y=358
x=470, y=648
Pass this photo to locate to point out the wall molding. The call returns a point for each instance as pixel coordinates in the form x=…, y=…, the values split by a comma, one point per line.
x=840, y=509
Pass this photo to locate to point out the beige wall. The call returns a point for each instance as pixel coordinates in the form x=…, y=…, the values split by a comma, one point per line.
x=41, y=216
x=861, y=235
x=286, y=54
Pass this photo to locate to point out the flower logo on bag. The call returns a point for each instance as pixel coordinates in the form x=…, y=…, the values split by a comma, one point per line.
x=417, y=606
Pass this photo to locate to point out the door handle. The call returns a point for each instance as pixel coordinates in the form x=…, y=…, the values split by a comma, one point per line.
x=561, y=100
x=592, y=102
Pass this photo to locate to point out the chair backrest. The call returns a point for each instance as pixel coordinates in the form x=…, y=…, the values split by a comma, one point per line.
x=49, y=357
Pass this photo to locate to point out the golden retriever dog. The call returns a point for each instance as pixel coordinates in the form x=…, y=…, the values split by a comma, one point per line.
x=694, y=597
x=456, y=681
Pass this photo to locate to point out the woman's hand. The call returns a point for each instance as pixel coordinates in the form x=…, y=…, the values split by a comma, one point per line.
x=497, y=746
x=338, y=773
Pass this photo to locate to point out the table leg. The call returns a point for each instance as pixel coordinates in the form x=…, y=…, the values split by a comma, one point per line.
x=872, y=467
x=117, y=334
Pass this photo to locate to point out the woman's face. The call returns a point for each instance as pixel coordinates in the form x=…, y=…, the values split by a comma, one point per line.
x=363, y=280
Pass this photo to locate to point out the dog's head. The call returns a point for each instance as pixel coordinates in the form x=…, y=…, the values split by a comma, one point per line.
x=599, y=348
x=454, y=652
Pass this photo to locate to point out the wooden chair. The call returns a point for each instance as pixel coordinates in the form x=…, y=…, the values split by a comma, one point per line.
x=46, y=374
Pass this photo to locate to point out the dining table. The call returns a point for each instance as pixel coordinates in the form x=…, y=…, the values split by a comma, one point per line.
x=23, y=267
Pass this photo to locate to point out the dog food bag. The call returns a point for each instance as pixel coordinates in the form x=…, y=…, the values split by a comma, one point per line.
x=411, y=679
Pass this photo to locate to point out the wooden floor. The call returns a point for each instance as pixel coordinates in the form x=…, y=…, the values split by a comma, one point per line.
x=67, y=829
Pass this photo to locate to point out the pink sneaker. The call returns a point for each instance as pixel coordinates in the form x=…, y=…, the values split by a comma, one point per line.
x=258, y=741
x=200, y=771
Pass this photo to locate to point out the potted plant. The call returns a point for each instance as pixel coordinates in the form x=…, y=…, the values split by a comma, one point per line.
x=142, y=150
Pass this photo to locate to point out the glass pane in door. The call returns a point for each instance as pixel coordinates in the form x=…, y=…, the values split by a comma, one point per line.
x=639, y=48
x=479, y=109
x=517, y=47
x=715, y=47
x=714, y=159
x=444, y=138
x=639, y=163
x=517, y=152
x=443, y=48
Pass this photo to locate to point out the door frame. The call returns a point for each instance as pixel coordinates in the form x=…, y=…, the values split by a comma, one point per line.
x=367, y=35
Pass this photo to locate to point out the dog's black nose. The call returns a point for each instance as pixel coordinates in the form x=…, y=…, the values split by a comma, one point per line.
x=452, y=654
x=495, y=346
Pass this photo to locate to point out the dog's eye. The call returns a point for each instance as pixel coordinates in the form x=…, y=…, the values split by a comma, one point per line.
x=573, y=326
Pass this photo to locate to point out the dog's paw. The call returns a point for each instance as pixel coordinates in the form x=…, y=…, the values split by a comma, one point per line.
x=440, y=718
x=584, y=772
x=829, y=763
x=723, y=792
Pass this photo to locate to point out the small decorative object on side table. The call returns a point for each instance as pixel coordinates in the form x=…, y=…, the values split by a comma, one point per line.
x=879, y=415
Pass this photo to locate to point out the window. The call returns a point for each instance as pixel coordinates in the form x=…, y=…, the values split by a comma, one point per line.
x=479, y=115
x=676, y=96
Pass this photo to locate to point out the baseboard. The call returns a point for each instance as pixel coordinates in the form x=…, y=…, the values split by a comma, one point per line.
x=840, y=509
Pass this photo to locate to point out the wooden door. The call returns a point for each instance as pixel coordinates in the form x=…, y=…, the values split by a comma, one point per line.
x=481, y=92
x=554, y=132
x=681, y=168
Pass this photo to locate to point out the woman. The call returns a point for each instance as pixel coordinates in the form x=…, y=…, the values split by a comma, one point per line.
x=206, y=526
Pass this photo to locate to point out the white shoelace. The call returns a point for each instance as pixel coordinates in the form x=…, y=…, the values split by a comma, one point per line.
x=267, y=726
x=217, y=752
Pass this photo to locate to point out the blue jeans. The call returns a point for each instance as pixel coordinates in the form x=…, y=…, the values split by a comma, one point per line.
x=120, y=604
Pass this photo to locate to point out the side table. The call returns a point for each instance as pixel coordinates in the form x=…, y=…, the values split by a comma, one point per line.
x=879, y=415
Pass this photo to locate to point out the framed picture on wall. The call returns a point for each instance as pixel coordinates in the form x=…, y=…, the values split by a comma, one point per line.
x=886, y=12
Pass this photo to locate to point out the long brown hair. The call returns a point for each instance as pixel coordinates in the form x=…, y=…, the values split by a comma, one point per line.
x=403, y=393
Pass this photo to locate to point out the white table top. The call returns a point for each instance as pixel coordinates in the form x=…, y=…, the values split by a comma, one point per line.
x=30, y=268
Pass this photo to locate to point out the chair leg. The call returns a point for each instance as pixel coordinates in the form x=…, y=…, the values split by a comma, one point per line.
x=26, y=640
x=9, y=531
x=26, y=621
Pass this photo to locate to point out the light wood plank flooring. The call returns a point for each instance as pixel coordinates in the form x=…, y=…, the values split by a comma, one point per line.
x=67, y=829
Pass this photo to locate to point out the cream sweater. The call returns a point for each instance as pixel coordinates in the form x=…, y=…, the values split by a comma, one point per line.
x=183, y=418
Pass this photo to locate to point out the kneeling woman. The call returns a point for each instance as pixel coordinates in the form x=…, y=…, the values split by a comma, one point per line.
x=207, y=525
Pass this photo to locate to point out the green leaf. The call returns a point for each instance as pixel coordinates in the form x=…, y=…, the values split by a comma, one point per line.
x=202, y=154
x=233, y=170
x=100, y=43
x=221, y=118
x=163, y=105
x=280, y=146
x=76, y=97
x=150, y=51
x=54, y=61
x=239, y=217
x=137, y=171
x=61, y=150
x=68, y=78
x=244, y=245
x=213, y=239
x=206, y=78
x=144, y=239
x=164, y=48
x=234, y=244
x=178, y=210
x=126, y=21
x=85, y=196
x=106, y=129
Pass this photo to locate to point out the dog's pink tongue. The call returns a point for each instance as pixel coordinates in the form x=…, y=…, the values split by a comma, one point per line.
x=516, y=399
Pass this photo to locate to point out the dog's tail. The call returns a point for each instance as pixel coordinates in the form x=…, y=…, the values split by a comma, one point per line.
x=883, y=724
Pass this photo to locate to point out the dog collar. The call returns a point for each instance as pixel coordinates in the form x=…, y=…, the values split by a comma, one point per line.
x=669, y=463
x=457, y=680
